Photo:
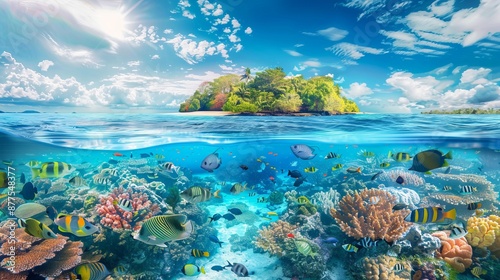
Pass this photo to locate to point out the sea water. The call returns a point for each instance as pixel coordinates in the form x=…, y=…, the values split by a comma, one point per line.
x=253, y=150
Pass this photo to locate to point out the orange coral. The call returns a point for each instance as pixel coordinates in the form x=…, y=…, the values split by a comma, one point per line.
x=358, y=218
x=456, y=252
x=272, y=238
x=381, y=268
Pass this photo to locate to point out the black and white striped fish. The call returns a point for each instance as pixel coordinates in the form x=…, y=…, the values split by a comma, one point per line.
x=367, y=242
x=398, y=267
x=467, y=189
x=170, y=167
x=124, y=204
x=457, y=232
x=238, y=269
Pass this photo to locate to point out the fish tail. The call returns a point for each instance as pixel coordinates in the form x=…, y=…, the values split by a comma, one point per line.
x=445, y=164
x=448, y=155
x=389, y=155
x=230, y=265
x=358, y=170
x=220, y=243
x=202, y=270
x=206, y=254
x=479, y=205
x=452, y=214
x=216, y=194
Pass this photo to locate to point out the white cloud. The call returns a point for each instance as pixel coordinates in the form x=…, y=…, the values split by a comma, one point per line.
x=329, y=75
x=475, y=76
x=443, y=9
x=188, y=15
x=235, y=23
x=248, y=30
x=45, y=64
x=312, y=63
x=218, y=11
x=193, y=52
x=442, y=69
x=223, y=20
x=233, y=38
x=356, y=90
x=333, y=34
x=227, y=30
x=412, y=45
x=293, y=53
x=353, y=51
x=154, y=57
x=298, y=45
x=134, y=63
x=168, y=31
x=456, y=70
x=418, y=89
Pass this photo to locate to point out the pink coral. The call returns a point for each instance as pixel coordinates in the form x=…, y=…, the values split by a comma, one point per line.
x=456, y=252
x=114, y=217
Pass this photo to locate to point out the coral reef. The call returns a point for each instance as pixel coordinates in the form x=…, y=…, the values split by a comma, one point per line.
x=403, y=195
x=49, y=257
x=114, y=217
x=272, y=238
x=351, y=185
x=382, y=268
x=359, y=218
x=485, y=232
x=326, y=200
x=414, y=241
x=410, y=179
x=456, y=252
x=276, y=198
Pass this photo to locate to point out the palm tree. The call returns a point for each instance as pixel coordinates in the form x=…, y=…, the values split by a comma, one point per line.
x=247, y=76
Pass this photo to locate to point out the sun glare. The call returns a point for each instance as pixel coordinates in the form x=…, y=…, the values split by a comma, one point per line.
x=112, y=23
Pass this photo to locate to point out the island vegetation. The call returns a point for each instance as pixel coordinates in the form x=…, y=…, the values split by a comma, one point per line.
x=269, y=91
x=465, y=111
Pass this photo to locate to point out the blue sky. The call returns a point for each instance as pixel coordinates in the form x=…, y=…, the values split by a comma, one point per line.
x=137, y=56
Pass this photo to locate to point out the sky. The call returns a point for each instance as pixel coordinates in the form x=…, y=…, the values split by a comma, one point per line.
x=149, y=56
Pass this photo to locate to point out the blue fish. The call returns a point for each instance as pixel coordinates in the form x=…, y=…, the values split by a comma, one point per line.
x=214, y=239
x=331, y=240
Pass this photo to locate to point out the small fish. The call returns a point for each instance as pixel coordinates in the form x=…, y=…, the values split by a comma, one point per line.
x=293, y=163
x=368, y=154
x=376, y=175
x=102, y=181
x=372, y=200
x=159, y=157
x=303, y=200
x=331, y=240
x=294, y=174
x=91, y=271
x=467, y=190
x=384, y=165
x=350, y=248
x=170, y=167
x=353, y=169
x=428, y=160
x=272, y=179
x=478, y=271
x=430, y=215
x=192, y=269
x=218, y=268
x=252, y=194
x=229, y=216
x=235, y=211
x=238, y=188
x=77, y=181
x=197, y=194
x=447, y=188
x=398, y=267
x=399, y=157
x=310, y=169
x=244, y=167
x=367, y=242
x=113, y=161
x=331, y=155
x=399, y=206
x=214, y=239
x=211, y=162
x=144, y=155
x=51, y=212
x=480, y=212
x=304, y=247
x=76, y=225
x=239, y=269
x=400, y=180
x=262, y=167
x=23, y=178
x=272, y=214
x=215, y=217
x=337, y=166
x=124, y=204
x=29, y=191
x=118, y=154
x=119, y=270
x=290, y=235
x=474, y=205
x=457, y=232
x=37, y=229
x=262, y=199
x=299, y=181
x=198, y=253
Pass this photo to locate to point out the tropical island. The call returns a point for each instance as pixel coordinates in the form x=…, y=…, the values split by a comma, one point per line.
x=465, y=111
x=270, y=92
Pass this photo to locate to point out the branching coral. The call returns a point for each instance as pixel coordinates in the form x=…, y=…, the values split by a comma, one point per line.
x=410, y=179
x=456, y=252
x=382, y=268
x=358, y=217
x=272, y=238
x=326, y=200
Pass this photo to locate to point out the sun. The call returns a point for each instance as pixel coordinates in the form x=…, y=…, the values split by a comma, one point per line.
x=112, y=23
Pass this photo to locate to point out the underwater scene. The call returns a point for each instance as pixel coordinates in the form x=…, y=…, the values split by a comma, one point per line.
x=223, y=197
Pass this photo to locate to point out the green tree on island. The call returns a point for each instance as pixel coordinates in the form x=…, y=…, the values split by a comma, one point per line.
x=269, y=91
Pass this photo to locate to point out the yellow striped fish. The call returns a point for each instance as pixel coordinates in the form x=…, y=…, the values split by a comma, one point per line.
x=401, y=157
x=197, y=194
x=198, y=253
x=304, y=248
x=160, y=229
x=478, y=271
x=90, y=271
x=350, y=248
x=238, y=188
x=119, y=270
x=54, y=169
x=430, y=215
x=310, y=169
x=76, y=225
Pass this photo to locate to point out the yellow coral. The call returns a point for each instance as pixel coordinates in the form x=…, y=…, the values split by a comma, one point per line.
x=483, y=231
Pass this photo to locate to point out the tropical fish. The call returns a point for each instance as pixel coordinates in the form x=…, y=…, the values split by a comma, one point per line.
x=252, y=194
x=76, y=225
x=303, y=199
x=238, y=188
x=4, y=182
x=337, y=166
x=52, y=170
x=398, y=267
x=91, y=271
x=399, y=206
x=215, y=217
x=290, y=235
x=119, y=270
x=37, y=229
x=367, y=154
x=299, y=181
x=467, y=189
x=400, y=157
x=23, y=178
x=214, y=239
x=77, y=181
x=192, y=269
x=457, y=232
x=235, y=211
x=310, y=169
x=218, y=268
x=353, y=169
x=229, y=216
x=29, y=191
x=211, y=162
x=262, y=167
x=350, y=248
x=302, y=151
x=331, y=155
x=262, y=199
x=447, y=188
x=294, y=174
x=478, y=271
x=198, y=253
x=164, y=228
x=400, y=180
x=144, y=155
x=159, y=157
x=480, y=212
x=102, y=181
x=474, y=205
x=118, y=154
x=293, y=163
x=384, y=165
x=429, y=160
x=376, y=175
x=272, y=214
x=109, y=172
x=124, y=204
x=51, y=212
x=170, y=167
x=28, y=210
x=430, y=215
x=239, y=269
x=367, y=242
x=304, y=248
x=331, y=240
x=197, y=194
x=244, y=167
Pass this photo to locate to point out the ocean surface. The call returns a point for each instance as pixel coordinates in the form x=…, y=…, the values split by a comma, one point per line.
x=125, y=156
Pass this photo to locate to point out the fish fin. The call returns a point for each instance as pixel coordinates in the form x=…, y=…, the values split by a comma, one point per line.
x=445, y=164
x=358, y=170
x=452, y=214
x=220, y=243
x=35, y=190
x=115, y=202
x=206, y=254
x=216, y=194
x=428, y=173
x=61, y=229
x=230, y=265
x=389, y=155
x=479, y=205
x=188, y=227
x=61, y=215
x=152, y=237
x=35, y=172
x=163, y=245
x=202, y=270
x=448, y=155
